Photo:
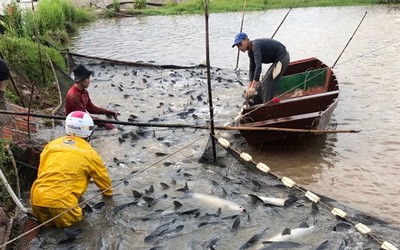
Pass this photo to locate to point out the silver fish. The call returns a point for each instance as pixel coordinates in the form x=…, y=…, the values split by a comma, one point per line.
x=289, y=234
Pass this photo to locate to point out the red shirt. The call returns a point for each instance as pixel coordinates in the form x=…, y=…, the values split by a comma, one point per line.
x=77, y=100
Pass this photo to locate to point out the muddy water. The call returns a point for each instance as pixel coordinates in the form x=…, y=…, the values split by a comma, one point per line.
x=360, y=170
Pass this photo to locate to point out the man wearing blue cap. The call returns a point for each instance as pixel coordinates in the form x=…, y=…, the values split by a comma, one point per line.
x=261, y=51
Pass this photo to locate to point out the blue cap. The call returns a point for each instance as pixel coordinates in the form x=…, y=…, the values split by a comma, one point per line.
x=238, y=38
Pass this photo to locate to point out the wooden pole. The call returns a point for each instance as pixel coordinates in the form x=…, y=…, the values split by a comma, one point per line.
x=160, y=125
x=210, y=103
x=281, y=23
x=241, y=29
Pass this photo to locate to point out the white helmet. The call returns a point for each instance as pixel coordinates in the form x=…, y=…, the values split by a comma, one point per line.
x=79, y=124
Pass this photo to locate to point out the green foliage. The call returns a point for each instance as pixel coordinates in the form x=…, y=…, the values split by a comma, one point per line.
x=5, y=199
x=171, y=3
x=3, y=155
x=13, y=19
x=116, y=5
x=197, y=6
x=22, y=53
x=140, y=4
x=51, y=23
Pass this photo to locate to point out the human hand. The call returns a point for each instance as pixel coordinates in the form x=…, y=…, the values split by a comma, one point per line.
x=108, y=126
x=112, y=113
x=250, y=92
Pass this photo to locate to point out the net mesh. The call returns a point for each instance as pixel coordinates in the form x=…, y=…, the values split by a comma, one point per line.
x=21, y=226
x=247, y=173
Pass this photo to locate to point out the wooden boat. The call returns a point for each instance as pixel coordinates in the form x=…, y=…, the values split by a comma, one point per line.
x=305, y=99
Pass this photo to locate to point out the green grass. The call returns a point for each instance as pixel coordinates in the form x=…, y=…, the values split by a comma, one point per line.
x=218, y=6
x=50, y=26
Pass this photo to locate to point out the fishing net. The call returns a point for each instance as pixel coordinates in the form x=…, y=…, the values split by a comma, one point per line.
x=21, y=226
x=129, y=222
x=354, y=230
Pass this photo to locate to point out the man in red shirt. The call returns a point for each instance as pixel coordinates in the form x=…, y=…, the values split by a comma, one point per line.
x=78, y=99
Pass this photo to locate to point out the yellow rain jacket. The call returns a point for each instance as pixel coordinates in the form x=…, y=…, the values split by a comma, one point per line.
x=66, y=166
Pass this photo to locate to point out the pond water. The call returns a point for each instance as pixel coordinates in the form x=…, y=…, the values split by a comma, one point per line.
x=360, y=170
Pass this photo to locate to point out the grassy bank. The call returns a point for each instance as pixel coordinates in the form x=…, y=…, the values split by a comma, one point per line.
x=215, y=6
x=31, y=39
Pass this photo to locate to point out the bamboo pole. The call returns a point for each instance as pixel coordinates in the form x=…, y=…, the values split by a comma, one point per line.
x=11, y=192
x=210, y=101
x=161, y=125
x=241, y=29
x=281, y=23
x=349, y=40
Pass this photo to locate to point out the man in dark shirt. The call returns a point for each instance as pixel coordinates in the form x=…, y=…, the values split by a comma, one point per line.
x=78, y=99
x=261, y=51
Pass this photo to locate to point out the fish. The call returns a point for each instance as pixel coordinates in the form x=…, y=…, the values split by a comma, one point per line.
x=236, y=223
x=211, y=243
x=215, y=201
x=255, y=238
x=204, y=223
x=163, y=227
x=191, y=211
x=335, y=244
x=70, y=235
x=281, y=245
x=342, y=227
x=153, y=236
x=99, y=205
x=273, y=201
x=289, y=234
x=120, y=207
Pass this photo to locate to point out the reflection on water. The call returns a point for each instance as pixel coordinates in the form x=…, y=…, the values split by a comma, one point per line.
x=361, y=170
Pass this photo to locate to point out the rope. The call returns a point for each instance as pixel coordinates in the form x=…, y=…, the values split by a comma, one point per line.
x=284, y=93
x=139, y=124
x=291, y=184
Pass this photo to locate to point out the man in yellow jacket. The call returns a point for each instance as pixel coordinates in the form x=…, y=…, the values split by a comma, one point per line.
x=66, y=166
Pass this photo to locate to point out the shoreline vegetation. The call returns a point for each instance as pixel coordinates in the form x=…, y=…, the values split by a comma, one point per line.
x=30, y=39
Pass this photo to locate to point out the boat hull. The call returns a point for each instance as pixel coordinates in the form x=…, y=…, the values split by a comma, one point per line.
x=310, y=110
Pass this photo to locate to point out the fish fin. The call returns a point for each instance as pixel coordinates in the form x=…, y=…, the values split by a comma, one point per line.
x=184, y=189
x=87, y=209
x=289, y=201
x=286, y=231
x=148, y=199
x=70, y=233
x=256, y=184
x=177, y=205
x=224, y=192
x=255, y=198
x=314, y=208
x=304, y=224
x=150, y=238
x=99, y=205
x=236, y=223
x=164, y=185
x=136, y=194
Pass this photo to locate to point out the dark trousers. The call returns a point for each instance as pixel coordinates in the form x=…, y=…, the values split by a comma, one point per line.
x=266, y=90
